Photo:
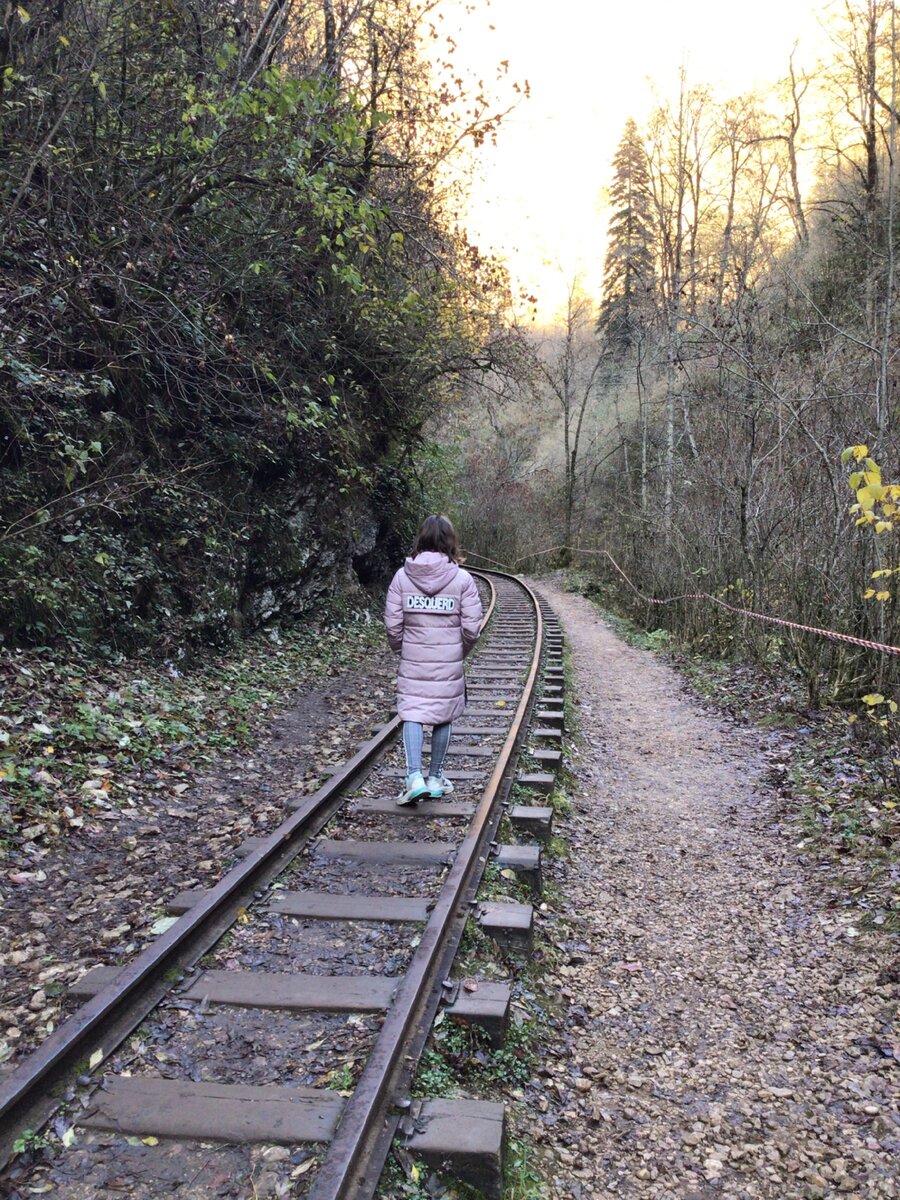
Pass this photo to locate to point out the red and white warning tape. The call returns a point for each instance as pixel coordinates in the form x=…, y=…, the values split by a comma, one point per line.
x=832, y=634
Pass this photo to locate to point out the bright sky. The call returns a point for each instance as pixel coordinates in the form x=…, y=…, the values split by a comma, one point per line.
x=591, y=64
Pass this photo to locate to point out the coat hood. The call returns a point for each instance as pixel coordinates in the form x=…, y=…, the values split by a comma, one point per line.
x=431, y=571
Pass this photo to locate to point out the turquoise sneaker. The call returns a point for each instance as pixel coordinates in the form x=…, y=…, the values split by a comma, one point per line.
x=439, y=785
x=416, y=788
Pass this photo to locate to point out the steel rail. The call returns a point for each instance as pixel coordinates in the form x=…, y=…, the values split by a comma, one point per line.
x=347, y=1172
x=31, y=1091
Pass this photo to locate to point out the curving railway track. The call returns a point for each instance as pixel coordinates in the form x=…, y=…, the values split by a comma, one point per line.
x=277, y=1023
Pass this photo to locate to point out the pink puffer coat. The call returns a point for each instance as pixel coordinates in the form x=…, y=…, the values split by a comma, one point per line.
x=433, y=617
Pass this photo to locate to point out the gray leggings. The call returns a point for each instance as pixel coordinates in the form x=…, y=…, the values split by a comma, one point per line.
x=413, y=737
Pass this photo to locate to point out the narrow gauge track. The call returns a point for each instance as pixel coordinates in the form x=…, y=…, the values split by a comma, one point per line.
x=365, y=922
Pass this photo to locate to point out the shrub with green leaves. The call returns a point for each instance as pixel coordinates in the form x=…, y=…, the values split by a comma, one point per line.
x=233, y=302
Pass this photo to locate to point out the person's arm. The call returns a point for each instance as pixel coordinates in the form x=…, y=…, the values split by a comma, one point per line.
x=393, y=614
x=471, y=614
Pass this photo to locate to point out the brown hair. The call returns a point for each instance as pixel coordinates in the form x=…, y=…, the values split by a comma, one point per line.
x=437, y=533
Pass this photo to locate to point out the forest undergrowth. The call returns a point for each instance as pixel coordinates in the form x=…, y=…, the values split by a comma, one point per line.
x=233, y=295
x=835, y=775
x=77, y=733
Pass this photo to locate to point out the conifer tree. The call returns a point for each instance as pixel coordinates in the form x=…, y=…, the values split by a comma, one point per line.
x=629, y=275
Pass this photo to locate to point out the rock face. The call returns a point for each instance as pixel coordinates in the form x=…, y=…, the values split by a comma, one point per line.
x=222, y=353
x=312, y=557
x=169, y=567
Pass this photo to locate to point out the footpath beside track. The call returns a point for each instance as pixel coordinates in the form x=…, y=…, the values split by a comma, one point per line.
x=314, y=952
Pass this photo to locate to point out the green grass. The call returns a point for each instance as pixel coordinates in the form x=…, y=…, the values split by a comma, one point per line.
x=396, y=1184
x=435, y=1076
x=503, y=885
x=560, y=803
x=556, y=847
x=632, y=633
x=461, y=1059
x=341, y=1079
x=523, y=1179
x=30, y=1142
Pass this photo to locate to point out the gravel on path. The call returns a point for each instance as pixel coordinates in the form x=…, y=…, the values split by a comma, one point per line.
x=729, y=1035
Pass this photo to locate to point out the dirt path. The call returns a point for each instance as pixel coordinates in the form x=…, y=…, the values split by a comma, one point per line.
x=92, y=898
x=732, y=1034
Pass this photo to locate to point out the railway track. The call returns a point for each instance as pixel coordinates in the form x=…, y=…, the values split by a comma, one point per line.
x=276, y=1025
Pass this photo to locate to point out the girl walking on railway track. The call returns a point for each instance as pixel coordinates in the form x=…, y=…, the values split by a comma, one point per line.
x=433, y=618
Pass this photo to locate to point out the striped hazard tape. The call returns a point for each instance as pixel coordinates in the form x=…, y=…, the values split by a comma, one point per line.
x=832, y=634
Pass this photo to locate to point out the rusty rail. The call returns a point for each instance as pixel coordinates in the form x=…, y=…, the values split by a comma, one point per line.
x=30, y=1093
x=352, y=1166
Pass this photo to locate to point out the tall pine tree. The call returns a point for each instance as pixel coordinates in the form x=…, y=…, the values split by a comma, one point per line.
x=629, y=279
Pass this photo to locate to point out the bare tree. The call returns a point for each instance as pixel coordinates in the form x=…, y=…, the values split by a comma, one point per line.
x=568, y=374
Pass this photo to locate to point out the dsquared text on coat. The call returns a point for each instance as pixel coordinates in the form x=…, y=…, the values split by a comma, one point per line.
x=432, y=604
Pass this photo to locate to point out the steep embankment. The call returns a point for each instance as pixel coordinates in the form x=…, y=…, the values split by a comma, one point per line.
x=230, y=304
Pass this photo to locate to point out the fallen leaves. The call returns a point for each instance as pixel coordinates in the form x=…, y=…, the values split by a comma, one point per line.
x=161, y=924
x=23, y=877
x=168, y=819
x=731, y=1016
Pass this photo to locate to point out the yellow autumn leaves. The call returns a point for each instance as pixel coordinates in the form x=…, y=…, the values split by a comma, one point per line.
x=877, y=504
x=874, y=499
x=876, y=714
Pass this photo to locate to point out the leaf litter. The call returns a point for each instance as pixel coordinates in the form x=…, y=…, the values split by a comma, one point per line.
x=726, y=1037
x=157, y=774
